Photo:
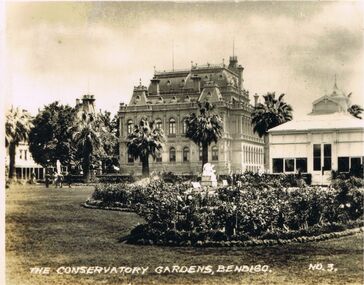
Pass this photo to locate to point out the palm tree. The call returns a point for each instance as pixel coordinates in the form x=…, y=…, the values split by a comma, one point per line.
x=356, y=111
x=273, y=112
x=86, y=135
x=17, y=127
x=270, y=114
x=205, y=128
x=145, y=140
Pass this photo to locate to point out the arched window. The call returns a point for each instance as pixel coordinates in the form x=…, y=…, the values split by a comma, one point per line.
x=129, y=126
x=186, y=154
x=184, y=125
x=215, y=153
x=172, y=126
x=158, y=157
x=172, y=154
x=200, y=153
x=158, y=124
x=130, y=158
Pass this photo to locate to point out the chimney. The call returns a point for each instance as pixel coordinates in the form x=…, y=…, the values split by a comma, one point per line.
x=155, y=86
x=77, y=101
x=196, y=82
x=256, y=97
x=240, y=70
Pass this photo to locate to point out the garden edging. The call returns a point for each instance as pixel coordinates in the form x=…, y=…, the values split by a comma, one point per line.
x=255, y=242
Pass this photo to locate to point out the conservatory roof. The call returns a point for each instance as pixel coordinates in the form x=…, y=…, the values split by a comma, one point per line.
x=321, y=122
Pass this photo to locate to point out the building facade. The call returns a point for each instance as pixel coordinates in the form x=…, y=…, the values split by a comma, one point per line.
x=327, y=139
x=171, y=97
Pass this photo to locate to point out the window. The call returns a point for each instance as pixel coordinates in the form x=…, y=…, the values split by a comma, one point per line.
x=130, y=158
x=215, y=153
x=200, y=153
x=184, y=126
x=21, y=154
x=158, y=157
x=343, y=164
x=327, y=156
x=158, y=124
x=289, y=165
x=186, y=154
x=355, y=164
x=25, y=154
x=129, y=126
x=317, y=157
x=277, y=165
x=301, y=165
x=172, y=154
x=172, y=126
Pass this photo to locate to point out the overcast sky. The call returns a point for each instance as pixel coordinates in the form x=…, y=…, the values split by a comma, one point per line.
x=60, y=51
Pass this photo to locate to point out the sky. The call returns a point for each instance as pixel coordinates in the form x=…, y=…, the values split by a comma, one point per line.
x=62, y=50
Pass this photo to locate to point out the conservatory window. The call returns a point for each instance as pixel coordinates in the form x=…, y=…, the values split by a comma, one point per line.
x=301, y=164
x=289, y=165
x=327, y=156
x=316, y=157
x=277, y=165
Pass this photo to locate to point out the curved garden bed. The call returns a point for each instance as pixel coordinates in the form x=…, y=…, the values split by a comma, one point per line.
x=246, y=214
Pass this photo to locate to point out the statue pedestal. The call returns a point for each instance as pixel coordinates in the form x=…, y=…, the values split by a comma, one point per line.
x=208, y=181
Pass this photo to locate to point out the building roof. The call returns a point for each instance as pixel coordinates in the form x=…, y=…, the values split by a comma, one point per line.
x=334, y=121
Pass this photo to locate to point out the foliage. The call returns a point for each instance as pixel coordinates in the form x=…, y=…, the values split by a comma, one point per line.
x=50, y=139
x=272, y=113
x=145, y=140
x=205, y=128
x=234, y=213
x=17, y=127
x=356, y=111
x=86, y=133
x=109, y=137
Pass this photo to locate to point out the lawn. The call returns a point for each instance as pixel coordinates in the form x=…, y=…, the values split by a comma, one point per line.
x=49, y=228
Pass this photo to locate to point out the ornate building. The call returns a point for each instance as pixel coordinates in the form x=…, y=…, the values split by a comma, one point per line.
x=172, y=96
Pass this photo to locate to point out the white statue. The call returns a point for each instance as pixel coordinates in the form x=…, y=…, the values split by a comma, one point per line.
x=208, y=170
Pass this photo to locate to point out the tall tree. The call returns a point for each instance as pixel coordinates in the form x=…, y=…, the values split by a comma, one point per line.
x=204, y=128
x=356, y=110
x=50, y=139
x=17, y=127
x=86, y=135
x=273, y=112
x=145, y=140
x=109, y=136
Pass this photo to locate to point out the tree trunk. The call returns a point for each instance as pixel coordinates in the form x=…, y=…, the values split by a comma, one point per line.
x=86, y=168
x=145, y=166
x=12, y=148
x=205, y=154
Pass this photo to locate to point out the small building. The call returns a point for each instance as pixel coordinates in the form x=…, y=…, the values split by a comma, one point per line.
x=24, y=163
x=327, y=139
x=174, y=95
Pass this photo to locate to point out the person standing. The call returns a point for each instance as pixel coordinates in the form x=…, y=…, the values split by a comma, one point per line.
x=47, y=179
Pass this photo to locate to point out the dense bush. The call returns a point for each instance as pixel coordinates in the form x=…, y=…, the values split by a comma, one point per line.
x=263, y=210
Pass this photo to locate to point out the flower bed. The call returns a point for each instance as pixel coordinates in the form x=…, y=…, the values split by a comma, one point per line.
x=235, y=215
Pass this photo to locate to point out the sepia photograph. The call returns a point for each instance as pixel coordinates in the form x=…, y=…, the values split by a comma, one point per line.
x=182, y=142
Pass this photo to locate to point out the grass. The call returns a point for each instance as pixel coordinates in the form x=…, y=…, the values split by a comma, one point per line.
x=49, y=228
